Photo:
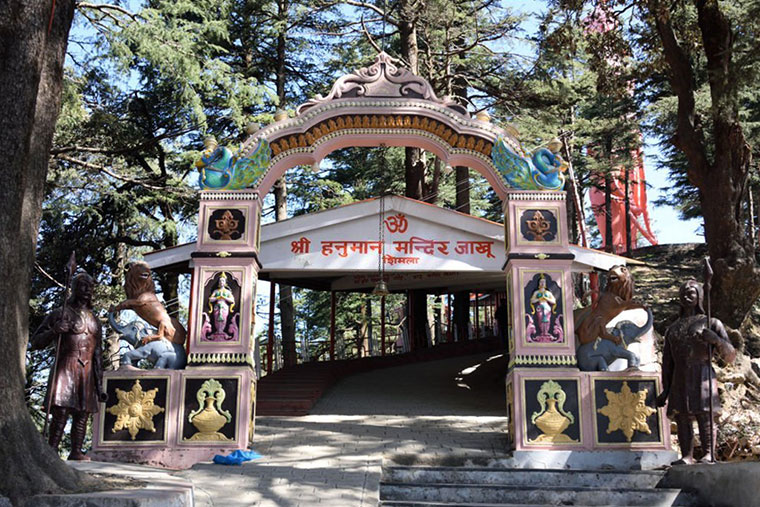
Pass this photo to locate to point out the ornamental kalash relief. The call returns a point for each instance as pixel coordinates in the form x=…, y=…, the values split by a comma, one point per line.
x=210, y=416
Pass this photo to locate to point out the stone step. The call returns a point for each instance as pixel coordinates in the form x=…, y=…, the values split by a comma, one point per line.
x=296, y=380
x=458, y=504
x=276, y=407
x=501, y=494
x=522, y=477
x=294, y=392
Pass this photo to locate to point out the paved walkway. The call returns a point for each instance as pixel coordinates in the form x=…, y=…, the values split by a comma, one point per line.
x=333, y=456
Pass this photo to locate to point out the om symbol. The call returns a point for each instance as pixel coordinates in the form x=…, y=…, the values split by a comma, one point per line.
x=397, y=223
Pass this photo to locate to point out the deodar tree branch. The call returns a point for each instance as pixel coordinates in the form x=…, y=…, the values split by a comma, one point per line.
x=689, y=136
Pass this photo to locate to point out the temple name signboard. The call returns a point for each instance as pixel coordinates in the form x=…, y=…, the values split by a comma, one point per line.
x=409, y=243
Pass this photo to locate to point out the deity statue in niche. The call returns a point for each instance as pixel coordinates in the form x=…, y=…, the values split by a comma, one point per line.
x=221, y=321
x=544, y=323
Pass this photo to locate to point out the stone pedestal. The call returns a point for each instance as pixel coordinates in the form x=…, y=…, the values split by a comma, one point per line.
x=176, y=418
x=567, y=409
x=551, y=405
x=154, y=417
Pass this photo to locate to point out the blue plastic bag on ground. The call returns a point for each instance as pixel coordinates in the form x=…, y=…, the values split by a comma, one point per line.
x=236, y=458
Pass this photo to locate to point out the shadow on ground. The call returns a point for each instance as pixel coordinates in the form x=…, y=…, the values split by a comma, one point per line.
x=333, y=456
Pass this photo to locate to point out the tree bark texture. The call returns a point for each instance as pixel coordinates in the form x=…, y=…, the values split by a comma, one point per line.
x=628, y=238
x=462, y=298
x=721, y=172
x=31, y=60
x=608, y=246
x=287, y=324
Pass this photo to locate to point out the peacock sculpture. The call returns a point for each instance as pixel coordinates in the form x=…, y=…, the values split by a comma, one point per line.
x=543, y=169
x=220, y=169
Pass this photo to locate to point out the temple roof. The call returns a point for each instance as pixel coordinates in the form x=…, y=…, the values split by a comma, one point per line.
x=424, y=246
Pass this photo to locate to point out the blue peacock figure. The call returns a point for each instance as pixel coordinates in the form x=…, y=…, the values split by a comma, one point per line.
x=541, y=170
x=220, y=169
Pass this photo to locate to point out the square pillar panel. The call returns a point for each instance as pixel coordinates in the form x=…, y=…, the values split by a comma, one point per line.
x=222, y=313
x=229, y=222
x=539, y=280
x=541, y=313
x=535, y=222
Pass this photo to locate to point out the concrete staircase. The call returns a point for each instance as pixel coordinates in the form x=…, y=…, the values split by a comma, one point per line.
x=490, y=486
x=293, y=391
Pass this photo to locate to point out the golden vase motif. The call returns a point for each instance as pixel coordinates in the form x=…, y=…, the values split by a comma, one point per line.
x=551, y=421
x=212, y=417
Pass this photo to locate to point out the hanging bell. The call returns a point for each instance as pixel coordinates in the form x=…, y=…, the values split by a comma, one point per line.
x=381, y=289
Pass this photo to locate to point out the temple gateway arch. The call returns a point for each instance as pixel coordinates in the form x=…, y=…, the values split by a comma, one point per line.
x=550, y=404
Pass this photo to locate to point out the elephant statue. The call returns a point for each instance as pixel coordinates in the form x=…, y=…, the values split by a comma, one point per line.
x=600, y=353
x=131, y=332
x=162, y=353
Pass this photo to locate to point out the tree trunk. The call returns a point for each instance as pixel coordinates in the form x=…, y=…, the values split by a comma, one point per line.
x=430, y=189
x=287, y=325
x=608, y=245
x=414, y=176
x=736, y=284
x=408, y=34
x=31, y=56
x=170, y=280
x=628, y=239
x=462, y=298
x=721, y=171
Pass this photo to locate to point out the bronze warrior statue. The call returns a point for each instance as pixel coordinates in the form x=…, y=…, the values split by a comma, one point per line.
x=688, y=378
x=75, y=386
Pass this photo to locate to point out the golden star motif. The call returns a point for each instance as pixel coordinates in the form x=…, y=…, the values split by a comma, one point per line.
x=627, y=411
x=135, y=410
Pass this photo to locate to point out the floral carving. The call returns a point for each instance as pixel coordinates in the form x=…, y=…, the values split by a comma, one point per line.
x=135, y=410
x=627, y=411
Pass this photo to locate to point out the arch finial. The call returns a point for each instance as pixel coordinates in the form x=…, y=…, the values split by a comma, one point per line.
x=385, y=78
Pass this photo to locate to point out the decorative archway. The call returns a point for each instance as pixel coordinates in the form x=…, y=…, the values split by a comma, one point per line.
x=378, y=105
x=382, y=105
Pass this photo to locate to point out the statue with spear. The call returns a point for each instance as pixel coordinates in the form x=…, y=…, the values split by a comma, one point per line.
x=688, y=377
x=74, y=386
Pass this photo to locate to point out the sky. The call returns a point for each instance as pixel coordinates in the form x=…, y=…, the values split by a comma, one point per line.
x=666, y=224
